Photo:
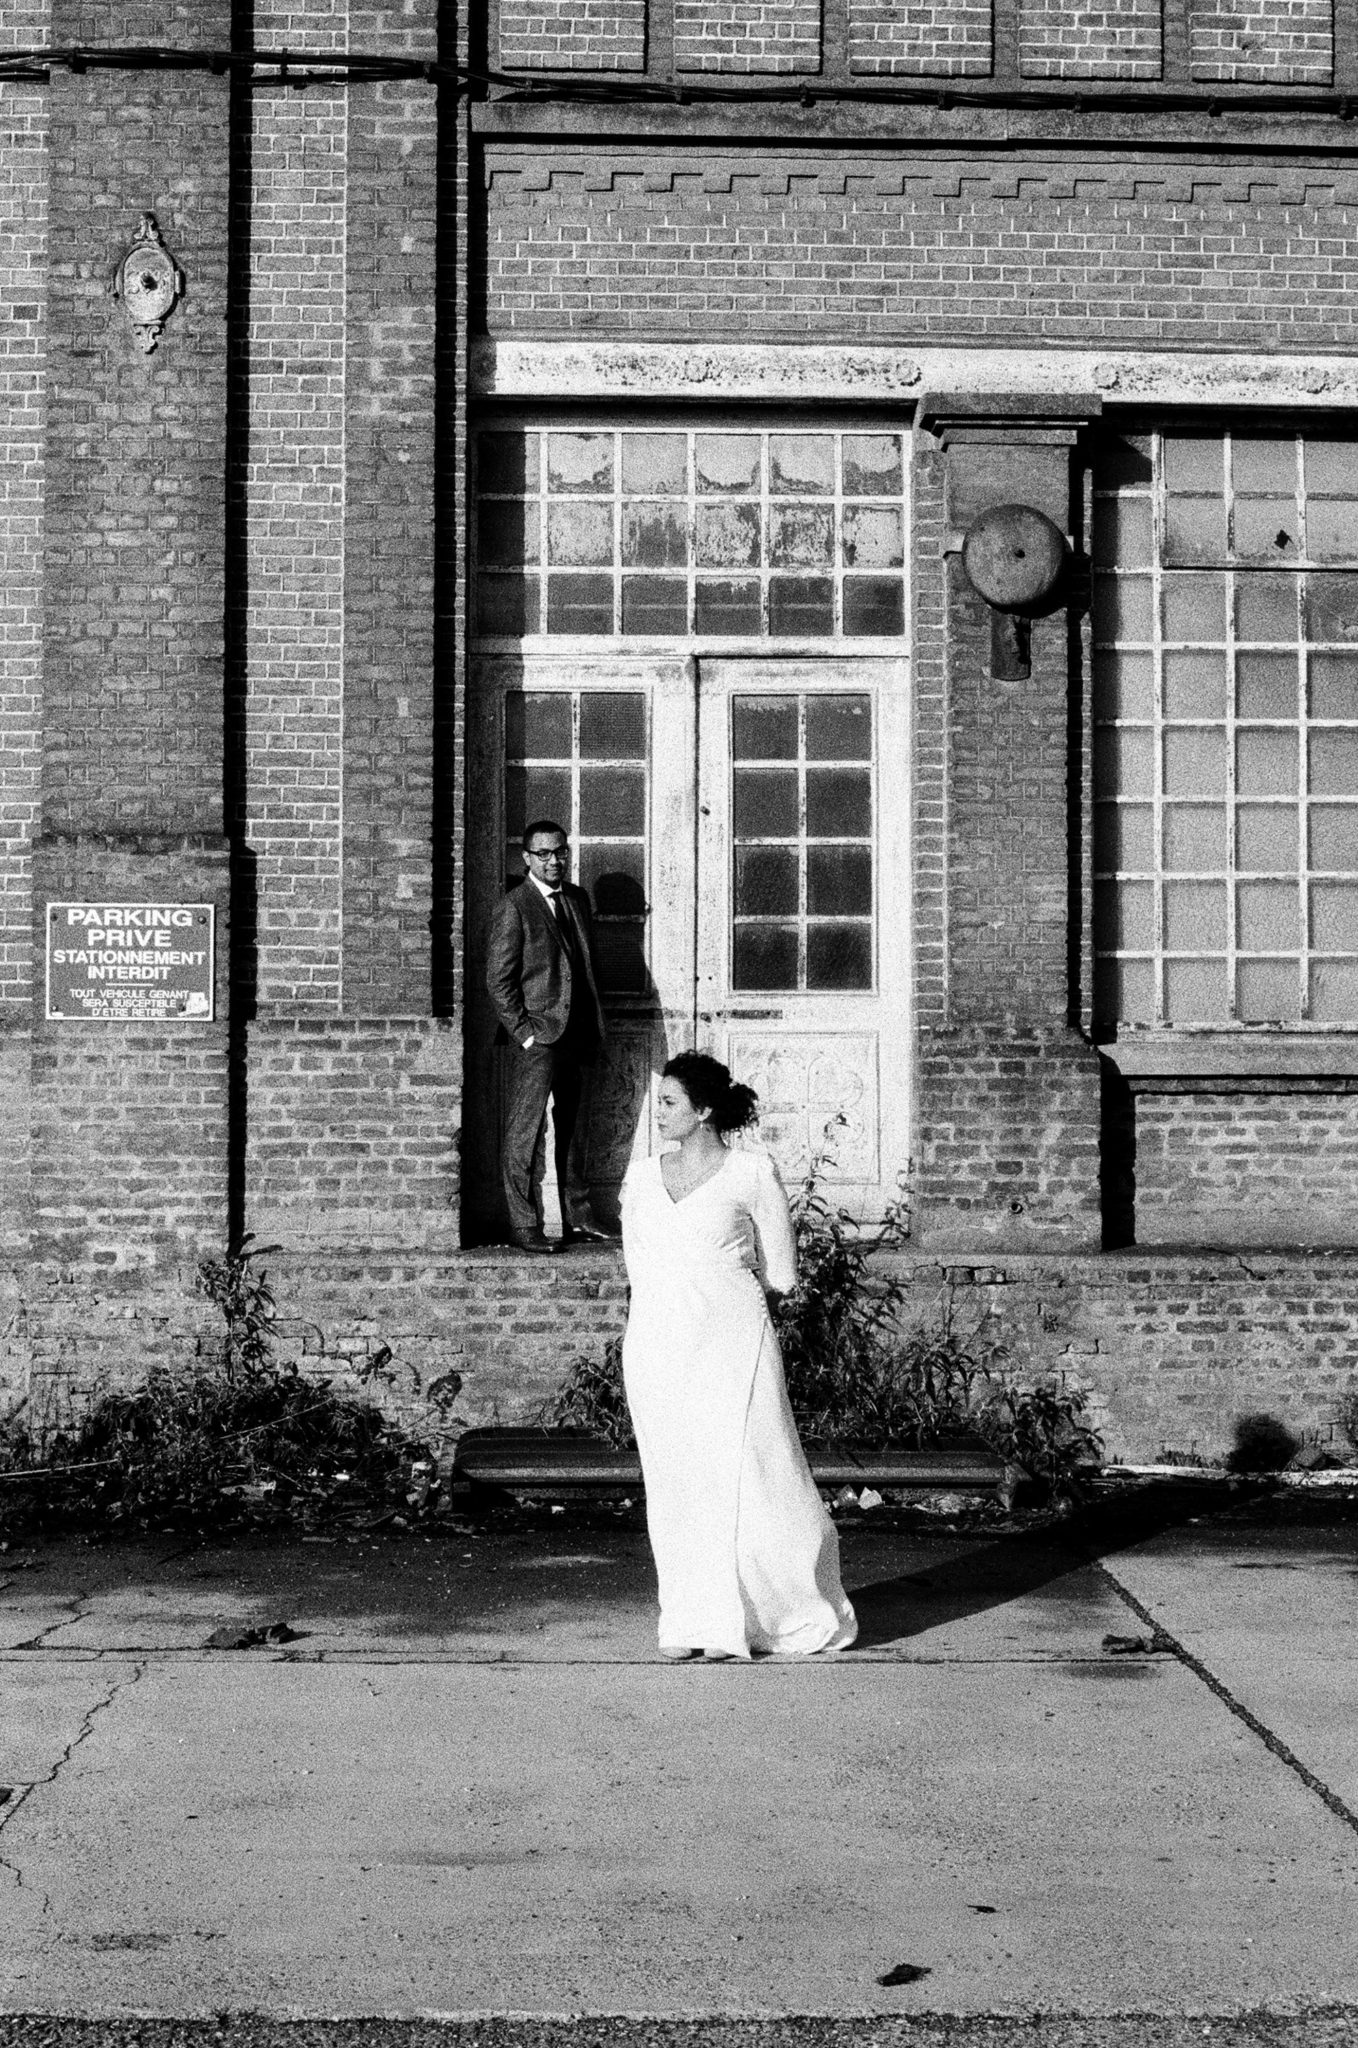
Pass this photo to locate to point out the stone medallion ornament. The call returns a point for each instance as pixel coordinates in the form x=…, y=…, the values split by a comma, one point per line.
x=149, y=282
x=1013, y=556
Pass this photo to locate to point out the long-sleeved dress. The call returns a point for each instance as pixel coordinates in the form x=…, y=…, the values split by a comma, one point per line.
x=748, y=1558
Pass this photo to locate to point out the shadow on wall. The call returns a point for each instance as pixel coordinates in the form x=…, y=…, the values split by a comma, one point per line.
x=1262, y=1444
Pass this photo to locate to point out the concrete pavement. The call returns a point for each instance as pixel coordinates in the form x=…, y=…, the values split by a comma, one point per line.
x=467, y=1785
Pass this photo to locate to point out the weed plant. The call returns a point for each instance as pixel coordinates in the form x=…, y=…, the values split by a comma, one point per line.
x=241, y=1436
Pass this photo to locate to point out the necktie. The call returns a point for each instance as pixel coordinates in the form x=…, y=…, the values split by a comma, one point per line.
x=563, y=922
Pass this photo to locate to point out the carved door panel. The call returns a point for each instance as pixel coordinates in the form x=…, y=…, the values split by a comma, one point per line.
x=803, y=887
x=605, y=748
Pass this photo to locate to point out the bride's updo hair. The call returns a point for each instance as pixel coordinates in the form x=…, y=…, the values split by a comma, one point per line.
x=708, y=1085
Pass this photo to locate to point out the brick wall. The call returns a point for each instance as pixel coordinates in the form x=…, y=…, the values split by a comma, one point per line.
x=948, y=38
x=1243, y=1165
x=1269, y=42
x=1118, y=39
x=565, y=35
x=390, y=447
x=1117, y=256
x=287, y=508
x=747, y=35
x=353, y=1132
x=23, y=294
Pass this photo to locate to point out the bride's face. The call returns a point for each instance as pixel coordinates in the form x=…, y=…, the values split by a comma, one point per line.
x=675, y=1116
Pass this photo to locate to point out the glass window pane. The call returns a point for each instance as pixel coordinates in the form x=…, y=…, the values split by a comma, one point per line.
x=1194, y=463
x=1123, y=537
x=1268, y=916
x=838, y=728
x=1195, y=685
x=1266, y=838
x=1329, y=469
x=579, y=604
x=1265, y=762
x=872, y=465
x=765, y=956
x=838, y=803
x=801, y=536
x=612, y=725
x=615, y=878
x=507, y=462
x=1334, y=685
x=1334, y=917
x=801, y=605
x=579, y=462
x=580, y=531
x=538, y=725
x=1265, y=685
x=1122, y=608
x=1332, y=602
x=1266, y=607
x=1268, y=992
x=1334, y=836
x=655, y=464
x=536, y=793
x=621, y=952
x=1125, y=459
x=1334, y=763
x=612, y=803
x=764, y=728
x=1195, y=838
x=1332, y=530
x=1195, y=916
x=727, y=536
x=839, y=956
x=654, y=535
x=1124, y=760
x=506, y=533
x=1193, y=607
x=726, y=463
x=766, y=803
x=507, y=606
x=767, y=881
x=1124, y=686
x=1195, y=761
x=802, y=464
x=1264, y=465
x=1124, y=836
x=1196, y=992
x=1334, y=992
x=839, y=881
x=655, y=605
x=1266, y=530
x=724, y=604
x=873, y=537
x=874, y=607
x=1195, y=531
x=1124, y=917
x=1124, y=991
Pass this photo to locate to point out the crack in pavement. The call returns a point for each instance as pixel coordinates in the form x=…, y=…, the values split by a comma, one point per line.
x=82, y=1734
x=1273, y=1743
x=78, y=1607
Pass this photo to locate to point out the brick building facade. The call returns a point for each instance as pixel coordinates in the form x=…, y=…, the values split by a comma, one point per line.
x=584, y=409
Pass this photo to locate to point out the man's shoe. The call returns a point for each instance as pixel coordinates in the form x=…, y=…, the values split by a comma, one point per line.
x=533, y=1241
x=598, y=1233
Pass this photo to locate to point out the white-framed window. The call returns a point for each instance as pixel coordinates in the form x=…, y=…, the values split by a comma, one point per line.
x=709, y=534
x=1225, y=625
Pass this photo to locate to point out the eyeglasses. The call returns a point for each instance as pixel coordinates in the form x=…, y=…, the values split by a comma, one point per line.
x=548, y=852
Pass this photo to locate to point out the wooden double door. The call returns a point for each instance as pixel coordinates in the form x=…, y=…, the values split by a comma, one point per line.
x=742, y=828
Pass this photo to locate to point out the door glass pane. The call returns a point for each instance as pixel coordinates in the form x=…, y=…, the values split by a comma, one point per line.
x=764, y=728
x=839, y=729
x=612, y=802
x=838, y=803
x=612, y=726
x=765, y=956
x=766, y=803
x=838, y=956
x=766, y=881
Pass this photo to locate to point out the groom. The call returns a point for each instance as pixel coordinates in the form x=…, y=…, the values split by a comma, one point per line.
x=543, y=981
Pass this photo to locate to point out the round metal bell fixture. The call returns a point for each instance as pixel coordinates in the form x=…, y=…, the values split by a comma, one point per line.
x=1013, y=555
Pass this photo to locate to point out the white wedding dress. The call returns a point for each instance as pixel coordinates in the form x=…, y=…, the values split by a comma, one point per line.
x=747, y=1556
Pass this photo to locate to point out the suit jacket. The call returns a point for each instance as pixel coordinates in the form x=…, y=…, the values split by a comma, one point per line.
x=528, y=969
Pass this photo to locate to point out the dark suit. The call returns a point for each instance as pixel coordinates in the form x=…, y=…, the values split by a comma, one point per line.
x=544, y=985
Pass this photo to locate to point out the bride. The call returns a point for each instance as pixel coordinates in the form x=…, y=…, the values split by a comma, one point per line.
x=748, y=1558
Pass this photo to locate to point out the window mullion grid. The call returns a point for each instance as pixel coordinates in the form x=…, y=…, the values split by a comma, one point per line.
x=541, y=439
x=765, y=535
x=1158, y=725
x=575, y=767
x=1303, y=813
x=803, y=936
x=1232, y=922
x=617, y=533
x=836, y=540
x=691, y=519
